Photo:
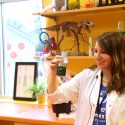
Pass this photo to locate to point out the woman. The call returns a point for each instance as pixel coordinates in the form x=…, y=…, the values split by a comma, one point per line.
x=100, y=90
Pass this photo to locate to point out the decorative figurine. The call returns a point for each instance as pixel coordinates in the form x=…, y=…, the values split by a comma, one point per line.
x=57, y=5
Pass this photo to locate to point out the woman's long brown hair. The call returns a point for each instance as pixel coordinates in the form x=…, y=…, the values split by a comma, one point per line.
x=114, y=44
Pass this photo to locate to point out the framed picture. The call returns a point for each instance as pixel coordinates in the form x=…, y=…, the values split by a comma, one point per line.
x=25, y=76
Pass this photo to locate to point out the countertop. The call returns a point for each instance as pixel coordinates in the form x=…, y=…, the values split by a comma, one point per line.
x=31, y=113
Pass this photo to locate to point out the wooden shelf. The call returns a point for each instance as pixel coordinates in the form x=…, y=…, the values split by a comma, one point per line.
x=105, y=18
x=93, y=10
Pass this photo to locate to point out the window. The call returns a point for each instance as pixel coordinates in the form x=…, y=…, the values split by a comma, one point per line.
x=20, y=31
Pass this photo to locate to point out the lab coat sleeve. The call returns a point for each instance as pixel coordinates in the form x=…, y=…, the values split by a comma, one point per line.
x=67, y=91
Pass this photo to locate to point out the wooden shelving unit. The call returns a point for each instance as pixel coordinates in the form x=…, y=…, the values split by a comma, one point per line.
x=105, y=18
x=93, y=10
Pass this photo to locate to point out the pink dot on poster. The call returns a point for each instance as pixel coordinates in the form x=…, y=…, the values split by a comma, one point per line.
x=8, y=64
x=13, y=55
x=8, y=46
x=21, y=46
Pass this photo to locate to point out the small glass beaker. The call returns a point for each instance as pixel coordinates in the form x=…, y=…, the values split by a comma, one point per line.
x=61, y=70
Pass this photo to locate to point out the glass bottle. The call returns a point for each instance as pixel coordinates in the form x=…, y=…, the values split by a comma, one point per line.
x=73, y=4
x=61, y=70
x=121, y=27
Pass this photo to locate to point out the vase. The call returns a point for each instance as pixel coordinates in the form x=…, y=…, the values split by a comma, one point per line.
x=41, y=99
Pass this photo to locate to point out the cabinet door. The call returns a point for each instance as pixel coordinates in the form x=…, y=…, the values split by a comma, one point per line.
x=2, y=122
x=19, y=123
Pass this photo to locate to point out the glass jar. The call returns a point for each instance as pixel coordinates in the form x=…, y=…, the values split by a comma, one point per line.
x=61, y=70
x=73, y=4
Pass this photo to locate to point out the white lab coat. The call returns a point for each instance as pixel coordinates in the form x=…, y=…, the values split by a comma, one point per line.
x=85, y=86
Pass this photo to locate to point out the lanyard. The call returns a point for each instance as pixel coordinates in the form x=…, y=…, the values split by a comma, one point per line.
x=99, y=104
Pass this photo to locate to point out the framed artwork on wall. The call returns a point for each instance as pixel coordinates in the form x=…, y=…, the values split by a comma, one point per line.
x=25, y=76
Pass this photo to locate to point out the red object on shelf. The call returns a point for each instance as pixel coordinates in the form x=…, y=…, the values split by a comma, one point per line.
x=46, y=48
x=89, y=4
x=54, y=46
x=51, y=45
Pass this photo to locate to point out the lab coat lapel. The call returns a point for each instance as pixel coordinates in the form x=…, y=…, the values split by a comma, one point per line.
x=110, y=101
x=96, y=88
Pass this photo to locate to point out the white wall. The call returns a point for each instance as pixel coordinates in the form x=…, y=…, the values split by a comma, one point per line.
x=1, y=58
x=0, y=53
x=4, y=1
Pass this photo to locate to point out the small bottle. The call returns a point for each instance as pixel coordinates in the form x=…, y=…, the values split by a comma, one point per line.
x=90, y=46
x=61, y=70
x=121, y=27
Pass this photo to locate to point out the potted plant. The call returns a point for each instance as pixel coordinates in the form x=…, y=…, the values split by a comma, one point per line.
x=38, y=91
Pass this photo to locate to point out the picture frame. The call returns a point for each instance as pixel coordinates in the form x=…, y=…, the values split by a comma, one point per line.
x=25, y=76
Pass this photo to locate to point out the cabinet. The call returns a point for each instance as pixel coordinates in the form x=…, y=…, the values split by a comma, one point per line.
x=29, y=114
x=104, y=18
